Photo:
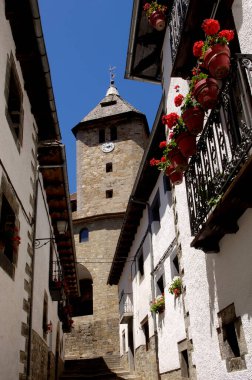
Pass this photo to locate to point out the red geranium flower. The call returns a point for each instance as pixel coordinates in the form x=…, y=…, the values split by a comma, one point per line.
x=162, y=144
x=163, y=159
x=210, y=26
x=170, y=120
x=228, y=34
x=197, y=48
x=177, y=88
x=178, y=100
x=153, y=162
x=171, y=134
x=146, y=6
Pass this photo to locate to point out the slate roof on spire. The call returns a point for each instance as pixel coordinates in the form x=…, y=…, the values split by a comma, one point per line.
x=111, y=105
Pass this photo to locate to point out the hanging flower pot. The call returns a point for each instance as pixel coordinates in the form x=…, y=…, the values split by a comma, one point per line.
x=186, y=144
x=178, y=161
x=157, y=20
x=175, y=177
x=194, y=119
x=217, y=60
x=206, y=92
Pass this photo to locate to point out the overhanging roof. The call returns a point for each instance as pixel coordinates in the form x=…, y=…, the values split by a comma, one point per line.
x=145, y=46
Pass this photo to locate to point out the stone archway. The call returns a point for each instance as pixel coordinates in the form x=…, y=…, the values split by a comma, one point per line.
x=83, y=305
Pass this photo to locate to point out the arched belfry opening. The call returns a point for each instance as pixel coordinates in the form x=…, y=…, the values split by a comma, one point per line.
x=83, y=305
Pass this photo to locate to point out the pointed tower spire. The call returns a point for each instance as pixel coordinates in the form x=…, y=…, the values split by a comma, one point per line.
x=112, y=89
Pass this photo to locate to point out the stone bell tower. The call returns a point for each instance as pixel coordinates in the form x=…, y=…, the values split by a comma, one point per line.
x=110, y=143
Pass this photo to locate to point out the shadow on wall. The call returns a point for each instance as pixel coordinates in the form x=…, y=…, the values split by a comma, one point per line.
x=229, y=272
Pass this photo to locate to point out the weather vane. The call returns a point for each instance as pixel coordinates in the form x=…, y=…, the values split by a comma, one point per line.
x=112, y=74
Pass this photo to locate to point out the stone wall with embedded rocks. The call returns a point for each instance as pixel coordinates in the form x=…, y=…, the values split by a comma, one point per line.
x=39, y=359
x=145, y=361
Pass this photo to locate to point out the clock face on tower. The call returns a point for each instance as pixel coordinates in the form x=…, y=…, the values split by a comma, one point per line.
x=107, y=147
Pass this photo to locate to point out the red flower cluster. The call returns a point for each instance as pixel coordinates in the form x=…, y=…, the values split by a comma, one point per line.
x=210, y=26
x=177, y=88
x=228, y=34
x=162, y=144
x=170, y=120
x=146, y=6
x=197, y=48
x=178, y=100
x=163, y=159
x=154, y=162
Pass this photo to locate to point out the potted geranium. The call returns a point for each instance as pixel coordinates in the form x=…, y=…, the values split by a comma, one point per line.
x=176, y=286
x=191, y=112
x=204, y=89
x=156, y=14
x=214, y=51
x=158, y=305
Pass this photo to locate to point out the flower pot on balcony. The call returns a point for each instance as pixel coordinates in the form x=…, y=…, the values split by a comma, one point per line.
x=206, y=92
x=177, y=292
x=194, y=119
x=157, y=20
x=217, y=60
x=186, y=143
x=178, y=161
x=175, y=177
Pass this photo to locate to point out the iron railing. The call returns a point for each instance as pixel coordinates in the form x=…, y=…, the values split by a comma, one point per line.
x=224, y=144
x=176, y=23
x=126, y=304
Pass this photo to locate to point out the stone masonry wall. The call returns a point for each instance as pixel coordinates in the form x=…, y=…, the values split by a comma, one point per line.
x=92, y=179
x=39, y=358
x=145, y=361
x=97, y=334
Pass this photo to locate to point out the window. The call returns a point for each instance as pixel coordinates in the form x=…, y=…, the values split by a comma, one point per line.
x=14, y=100
x=101, y=136
x=83, y=236
x=140, y=262
x=166, y=183
x=155, y=210
x=145, y=327
x=109, y=167
x=184, y=364
x=123, y=342
x=45, y=316
x=176, y=263
x=160, y=284
x=231, y=339
x=9, y=237
x=113, y=133
x=109, y=193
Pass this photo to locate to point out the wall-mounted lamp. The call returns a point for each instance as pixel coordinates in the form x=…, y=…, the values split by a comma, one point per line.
x=62, y=229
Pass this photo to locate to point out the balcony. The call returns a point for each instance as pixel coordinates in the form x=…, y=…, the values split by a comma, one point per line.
x=218, y=179
x=126, y=307
x=56, y=287
x=185, y=28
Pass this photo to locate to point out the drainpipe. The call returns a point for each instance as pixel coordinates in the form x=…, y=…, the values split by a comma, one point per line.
x=152, y=275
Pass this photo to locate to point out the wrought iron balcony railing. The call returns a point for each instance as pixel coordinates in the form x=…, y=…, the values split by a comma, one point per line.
x=126, y=307
x=224, y=145
x=176, y=24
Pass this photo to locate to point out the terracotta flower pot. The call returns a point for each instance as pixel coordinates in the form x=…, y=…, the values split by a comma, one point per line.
x=178, y=161
x=175, y=177
x=217, y=61
x=177, y=292
x=157, y=20
x=194, y=119
x=186, y=144
x=206, y=92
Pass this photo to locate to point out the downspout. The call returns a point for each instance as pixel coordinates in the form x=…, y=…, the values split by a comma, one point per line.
x=152, y=275
x=29, y=349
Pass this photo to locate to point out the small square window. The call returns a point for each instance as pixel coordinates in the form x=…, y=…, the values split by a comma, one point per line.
x=109, y=193
x=109, y=167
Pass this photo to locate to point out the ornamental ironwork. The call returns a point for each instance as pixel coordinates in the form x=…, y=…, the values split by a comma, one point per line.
x=176, y=23
x=224, y=144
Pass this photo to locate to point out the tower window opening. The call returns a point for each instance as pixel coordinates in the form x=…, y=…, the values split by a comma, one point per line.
x=83, y=236
x=109, y=193
x=101, y=136
x=113, y=133
x=109, y=167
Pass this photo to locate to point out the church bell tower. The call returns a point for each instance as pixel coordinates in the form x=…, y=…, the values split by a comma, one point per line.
x=110, y=142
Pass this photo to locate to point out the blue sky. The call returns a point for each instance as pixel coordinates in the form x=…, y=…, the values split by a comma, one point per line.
x=83, y=39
